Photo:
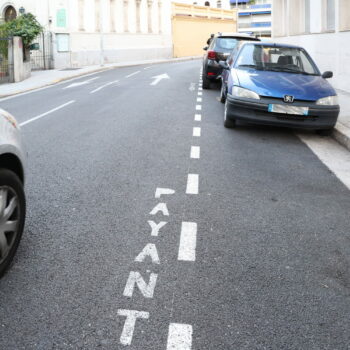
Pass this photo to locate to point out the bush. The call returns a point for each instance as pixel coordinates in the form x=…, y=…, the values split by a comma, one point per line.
x=25, y=26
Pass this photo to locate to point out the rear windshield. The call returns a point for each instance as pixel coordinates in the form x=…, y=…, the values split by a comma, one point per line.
x=225, y=44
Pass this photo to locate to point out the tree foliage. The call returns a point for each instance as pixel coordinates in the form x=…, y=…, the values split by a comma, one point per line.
x=25, y=26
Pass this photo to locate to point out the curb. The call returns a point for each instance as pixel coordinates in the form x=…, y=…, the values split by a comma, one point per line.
x=341, y=133
x=102, y=69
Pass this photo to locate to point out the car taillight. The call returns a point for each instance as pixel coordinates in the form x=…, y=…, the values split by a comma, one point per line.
x=212, y=55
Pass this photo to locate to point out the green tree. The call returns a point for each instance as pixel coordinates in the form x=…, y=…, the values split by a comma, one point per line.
x=25, y=26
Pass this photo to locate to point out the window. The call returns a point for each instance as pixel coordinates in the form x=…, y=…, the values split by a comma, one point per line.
x=226, y=44
x=207, y=3
x=307, y=16
x=330, y=24
x=10, y=14
x=344, y=15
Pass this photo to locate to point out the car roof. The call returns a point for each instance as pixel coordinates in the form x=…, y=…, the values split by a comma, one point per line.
x=236, y=35
x=270, y=44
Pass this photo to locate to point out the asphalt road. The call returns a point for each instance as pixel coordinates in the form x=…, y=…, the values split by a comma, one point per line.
x=264, y=262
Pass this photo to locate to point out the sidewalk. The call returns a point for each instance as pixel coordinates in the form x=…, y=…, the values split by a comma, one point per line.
x=45, y=78
x=342, y=130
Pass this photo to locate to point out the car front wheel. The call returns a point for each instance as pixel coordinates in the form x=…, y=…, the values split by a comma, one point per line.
x=12, y=216
x=228, y=122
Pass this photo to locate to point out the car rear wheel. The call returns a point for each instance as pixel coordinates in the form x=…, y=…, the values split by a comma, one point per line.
x=325, y=132
x=223, y=93
x=206, y=82
x=228, y=121
x=12, y=216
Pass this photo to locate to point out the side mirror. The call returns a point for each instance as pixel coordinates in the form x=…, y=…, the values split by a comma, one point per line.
x=327, y=75
x=224, y=65
x=205, y=48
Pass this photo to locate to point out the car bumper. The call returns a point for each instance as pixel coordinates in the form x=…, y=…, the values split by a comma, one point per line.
x=256, y=112
x=213, y=70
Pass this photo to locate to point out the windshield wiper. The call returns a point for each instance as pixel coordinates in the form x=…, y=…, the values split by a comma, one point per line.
x=289, y=70
x=251, y=66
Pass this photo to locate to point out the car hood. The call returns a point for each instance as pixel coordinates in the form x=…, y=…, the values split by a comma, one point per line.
x=278, y=84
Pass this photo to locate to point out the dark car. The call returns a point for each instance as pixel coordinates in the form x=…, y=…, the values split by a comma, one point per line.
x=220, y=47
x=277, y=84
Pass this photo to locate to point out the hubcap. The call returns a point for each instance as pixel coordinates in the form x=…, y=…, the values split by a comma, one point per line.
x=9, y=219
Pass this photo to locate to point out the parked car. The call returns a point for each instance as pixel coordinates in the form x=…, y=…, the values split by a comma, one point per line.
x=277, y=84
x=220, y=47
x=12, y=197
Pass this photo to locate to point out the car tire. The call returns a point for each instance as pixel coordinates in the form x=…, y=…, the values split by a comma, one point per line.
x=223, y=93
x=325, y=132
x=229, y=122
x=12, y=216
x=205, y=83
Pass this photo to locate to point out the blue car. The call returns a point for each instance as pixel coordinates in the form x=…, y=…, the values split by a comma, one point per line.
x=277, y=84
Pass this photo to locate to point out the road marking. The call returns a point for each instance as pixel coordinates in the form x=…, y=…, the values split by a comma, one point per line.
x=129, y=325
x=196, y=132
x=198, y=107
x=80, y=83
x=103, y=86
x=179, y=337
x=132, y=74
x=148, y=67
x=200, y=88
x=192, y=87
x=333, y=155
x=192, y=184
x=200, y=93
x=159, y=78
x=195, y=152
x=156, y=227
x=160, y=207
x=146, y=289
x=47, y=113
x=160, y=191
x=151, y=251
x=197, y=117
x=199, y=99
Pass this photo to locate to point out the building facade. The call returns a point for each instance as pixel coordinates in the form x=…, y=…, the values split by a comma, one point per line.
x=323, y=28
x=90, y=32
x=254, y=17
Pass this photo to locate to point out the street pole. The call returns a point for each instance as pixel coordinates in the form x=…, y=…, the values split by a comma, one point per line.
x=101, y=35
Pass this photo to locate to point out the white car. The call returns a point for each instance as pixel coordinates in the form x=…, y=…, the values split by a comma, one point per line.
x=12, y=197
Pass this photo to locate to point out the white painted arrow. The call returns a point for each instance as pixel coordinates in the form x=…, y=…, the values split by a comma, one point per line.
x=158, y=78
x=81, y=83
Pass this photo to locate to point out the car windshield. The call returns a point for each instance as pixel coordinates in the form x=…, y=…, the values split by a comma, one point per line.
x=277, y=59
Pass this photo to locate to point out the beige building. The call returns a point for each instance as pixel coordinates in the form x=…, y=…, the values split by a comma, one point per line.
x=322, y=27
x=88, y=32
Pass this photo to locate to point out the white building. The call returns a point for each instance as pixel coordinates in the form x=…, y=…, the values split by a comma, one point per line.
x=86, y=31
x=254, y=18
x=323, y=28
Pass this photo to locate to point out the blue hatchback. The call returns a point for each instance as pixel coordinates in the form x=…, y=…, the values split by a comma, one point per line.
x=277, y=84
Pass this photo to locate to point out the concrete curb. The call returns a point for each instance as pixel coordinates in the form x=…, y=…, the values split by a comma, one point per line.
x=341, y=134
x=102, y=69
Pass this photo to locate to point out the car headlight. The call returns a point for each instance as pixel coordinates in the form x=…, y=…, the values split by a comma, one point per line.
x=241, y=92
x=328, y=101
x=9, y=118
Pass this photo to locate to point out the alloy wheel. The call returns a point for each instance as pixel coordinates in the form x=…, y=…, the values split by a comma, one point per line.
x=9, y=220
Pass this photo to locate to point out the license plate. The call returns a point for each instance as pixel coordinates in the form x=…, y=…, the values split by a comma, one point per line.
x=284, y=109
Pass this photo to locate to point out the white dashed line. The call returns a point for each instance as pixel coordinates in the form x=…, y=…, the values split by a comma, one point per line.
x=103, y=86
x=200, y=93
x=197, y=132
x=46, y=113
x=195, y=152
x=199, y=99
x=179, y=337
x=192, y=184
x=148, y=67
x=200, y=88
x=198, y=107
x=188, y=242
x=130, y=75
x=197, y=117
